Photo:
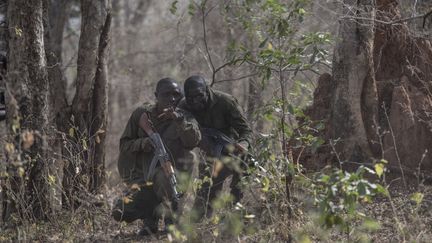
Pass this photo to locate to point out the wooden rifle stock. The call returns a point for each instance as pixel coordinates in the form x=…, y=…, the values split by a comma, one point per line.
x=161, y=155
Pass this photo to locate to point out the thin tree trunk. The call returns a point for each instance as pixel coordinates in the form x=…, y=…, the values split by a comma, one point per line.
x=92, y=22
x=27, y=89
x=56, y=15
x=254, y=101
x=89, y=106
x=3, y=134
x=100, y=110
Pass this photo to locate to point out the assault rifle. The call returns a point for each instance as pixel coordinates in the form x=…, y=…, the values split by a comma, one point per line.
x=214, y=142
x=160, y=156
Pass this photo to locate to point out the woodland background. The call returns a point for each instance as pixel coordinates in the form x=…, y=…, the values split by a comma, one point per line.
x=338, y=93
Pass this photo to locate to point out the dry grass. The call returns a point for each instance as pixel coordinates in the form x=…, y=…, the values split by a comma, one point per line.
x=399, y=217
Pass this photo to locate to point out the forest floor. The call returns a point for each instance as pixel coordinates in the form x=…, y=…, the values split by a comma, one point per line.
x=400, y=219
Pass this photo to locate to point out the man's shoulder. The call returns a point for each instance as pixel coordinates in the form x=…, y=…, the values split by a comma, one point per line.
x=224, y=99
x=145, y=107
x=182, y=104
x=222, y=95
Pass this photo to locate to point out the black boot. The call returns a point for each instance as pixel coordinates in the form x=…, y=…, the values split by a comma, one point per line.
x=168, y=221
x=150, y=226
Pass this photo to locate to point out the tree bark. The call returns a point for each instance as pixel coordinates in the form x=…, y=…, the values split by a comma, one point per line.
x=3, y=134
x=355, y=98
x=92, y=22
x=100, y=109
x=27, y=98
x=388, y=94
x=89, y=106
x=55, y=16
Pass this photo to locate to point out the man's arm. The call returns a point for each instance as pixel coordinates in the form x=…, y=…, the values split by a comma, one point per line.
x=130, y=141
x=188, y=130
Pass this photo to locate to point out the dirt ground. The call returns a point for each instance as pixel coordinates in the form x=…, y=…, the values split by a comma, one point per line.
x=400, y=219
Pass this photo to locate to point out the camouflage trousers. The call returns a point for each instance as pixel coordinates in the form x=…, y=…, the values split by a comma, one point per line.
x=145, y=201
x=209, y=191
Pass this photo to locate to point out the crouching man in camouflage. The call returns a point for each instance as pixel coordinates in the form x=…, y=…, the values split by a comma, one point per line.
x=180, y=134
x=223, y=125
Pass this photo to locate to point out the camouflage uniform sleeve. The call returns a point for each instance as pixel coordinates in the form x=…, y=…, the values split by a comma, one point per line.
x=238, y=121
x=188, y=130
x=130, y=141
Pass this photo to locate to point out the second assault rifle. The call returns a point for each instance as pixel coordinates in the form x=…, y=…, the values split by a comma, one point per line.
x=160, y=156
x=215, y=145
x=214, y=142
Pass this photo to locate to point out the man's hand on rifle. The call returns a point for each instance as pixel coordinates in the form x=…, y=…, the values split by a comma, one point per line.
x=241, y=147
x=236, y=148
x=170, y=114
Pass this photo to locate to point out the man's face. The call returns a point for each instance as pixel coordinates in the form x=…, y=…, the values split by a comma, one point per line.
x=196, y=98
x=168, y=96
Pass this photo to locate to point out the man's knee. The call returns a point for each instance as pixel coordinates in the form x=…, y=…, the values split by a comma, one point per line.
x=121, y=212
x=138, y=204
x=161, y=185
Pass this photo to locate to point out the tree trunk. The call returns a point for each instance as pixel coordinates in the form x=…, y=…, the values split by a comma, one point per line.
x=27, y=96
x=89, y=107
x=355, y=98
x=100, y=110
x=396, y=82
x=55, y=16
x=3, y=133
x=254, y=101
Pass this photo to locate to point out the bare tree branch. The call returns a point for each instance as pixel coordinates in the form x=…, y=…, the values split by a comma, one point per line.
x=238, y=78
x=398, y=21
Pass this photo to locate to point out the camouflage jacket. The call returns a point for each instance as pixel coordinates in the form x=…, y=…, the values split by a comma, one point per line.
x=224, y=114
x=136, y=151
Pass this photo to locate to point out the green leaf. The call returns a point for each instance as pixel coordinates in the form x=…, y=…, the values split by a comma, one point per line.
x=305, y=239
x=417, y=197
x=324, y=178
x=173, y=8
x=379, y=169
x=381, y=189
x=84, y=144
x=361, y=187
x=272, y=157
x=71, y=132
x=371, y=225
x=265, y=184
x=291, y=109
x=316, y=144
x=269, y=117
x=191, y=8
x=301, y=11
x=18, y=31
